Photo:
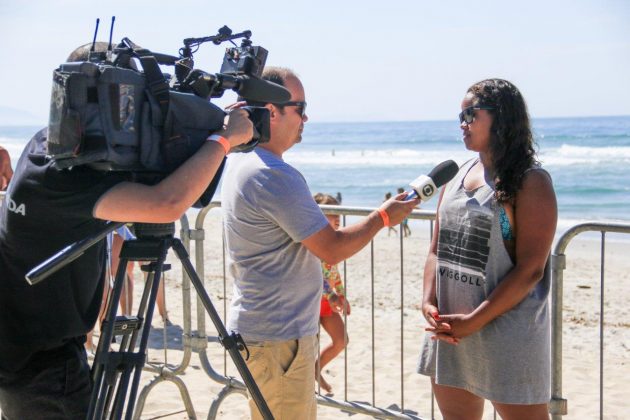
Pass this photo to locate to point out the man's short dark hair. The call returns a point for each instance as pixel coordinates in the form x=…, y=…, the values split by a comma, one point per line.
x=278, y=75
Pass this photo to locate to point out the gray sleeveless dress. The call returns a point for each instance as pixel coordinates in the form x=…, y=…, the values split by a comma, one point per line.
x=507, y=361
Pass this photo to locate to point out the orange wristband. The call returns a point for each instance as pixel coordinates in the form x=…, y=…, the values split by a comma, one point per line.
x=384, y=216
x=222, y=141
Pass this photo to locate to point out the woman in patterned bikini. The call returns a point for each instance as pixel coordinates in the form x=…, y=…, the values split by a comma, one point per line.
x=334, y=304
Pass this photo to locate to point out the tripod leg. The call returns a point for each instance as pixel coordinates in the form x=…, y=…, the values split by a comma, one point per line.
x=136, y=360
x=228, y=341
x=155, y=276
x=100, y=387
x=112, y=371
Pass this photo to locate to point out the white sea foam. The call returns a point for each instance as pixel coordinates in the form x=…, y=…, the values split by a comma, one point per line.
x=581, y=155
x=14, y=147
x=375, y=158
x=565, y=155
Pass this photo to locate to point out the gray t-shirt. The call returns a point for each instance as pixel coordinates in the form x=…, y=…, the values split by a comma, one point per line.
x=267, y=211
x=508, y=360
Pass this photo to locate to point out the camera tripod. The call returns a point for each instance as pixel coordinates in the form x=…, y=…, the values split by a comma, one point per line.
x=116, y=374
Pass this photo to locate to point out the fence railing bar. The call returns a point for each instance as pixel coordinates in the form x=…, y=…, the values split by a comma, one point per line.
x=402, y=321
x=373, y=323
x=558, y=406
x=601, y=325
x=345, y=325
x=362, y=408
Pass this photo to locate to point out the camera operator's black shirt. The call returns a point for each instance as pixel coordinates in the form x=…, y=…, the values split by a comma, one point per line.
x=45, y=210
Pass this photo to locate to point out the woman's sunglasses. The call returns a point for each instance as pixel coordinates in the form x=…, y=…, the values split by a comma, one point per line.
x=468, y=114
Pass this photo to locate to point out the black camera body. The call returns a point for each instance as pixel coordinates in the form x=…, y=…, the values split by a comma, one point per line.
x=259, y=116
x=119, y=112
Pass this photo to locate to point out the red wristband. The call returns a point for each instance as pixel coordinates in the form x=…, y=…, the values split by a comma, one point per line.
x=384, y=216
x=222, y=141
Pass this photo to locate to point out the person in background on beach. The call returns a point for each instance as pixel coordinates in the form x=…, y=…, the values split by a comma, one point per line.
x=390, y=228
x=487, y=278
x=6, y=172
x=276, y=236
x=120, y=235
x=405, y=223
x=333, y=304
x=43, y=367
x=115, y=241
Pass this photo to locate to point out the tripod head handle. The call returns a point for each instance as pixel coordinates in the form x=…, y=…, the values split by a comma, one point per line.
x=67, y=255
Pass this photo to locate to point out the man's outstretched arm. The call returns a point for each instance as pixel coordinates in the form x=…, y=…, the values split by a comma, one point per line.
x=334, y=246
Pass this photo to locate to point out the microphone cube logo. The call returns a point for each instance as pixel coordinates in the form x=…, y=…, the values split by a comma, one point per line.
x=428, y=190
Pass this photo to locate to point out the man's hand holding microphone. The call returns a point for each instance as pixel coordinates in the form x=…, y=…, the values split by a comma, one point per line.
x=394, y=210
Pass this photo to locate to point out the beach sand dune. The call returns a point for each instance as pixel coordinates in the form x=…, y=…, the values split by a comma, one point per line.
x=377, y=345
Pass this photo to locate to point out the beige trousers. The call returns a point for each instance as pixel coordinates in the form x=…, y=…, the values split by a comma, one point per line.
x=285, y=373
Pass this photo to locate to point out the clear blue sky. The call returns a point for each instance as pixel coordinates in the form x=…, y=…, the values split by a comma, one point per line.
x=359, y=60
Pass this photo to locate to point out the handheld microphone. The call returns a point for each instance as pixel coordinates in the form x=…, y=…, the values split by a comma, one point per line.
x=425, y=186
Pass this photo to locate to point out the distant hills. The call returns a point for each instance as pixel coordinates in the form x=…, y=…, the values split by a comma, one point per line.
x=12, y=116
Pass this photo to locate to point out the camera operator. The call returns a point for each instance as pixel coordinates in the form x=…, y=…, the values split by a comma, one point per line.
x=5, y=168
x=276, y=235
x=43, y=368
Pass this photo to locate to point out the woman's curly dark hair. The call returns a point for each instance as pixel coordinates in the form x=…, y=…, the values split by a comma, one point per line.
x=511, y=140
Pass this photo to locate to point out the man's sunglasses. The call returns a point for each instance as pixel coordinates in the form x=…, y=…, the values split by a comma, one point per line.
x=468, y=114
x=300, y=107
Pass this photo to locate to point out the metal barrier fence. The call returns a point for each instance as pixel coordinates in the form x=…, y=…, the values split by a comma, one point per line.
x=558, y=405
x=197, y=340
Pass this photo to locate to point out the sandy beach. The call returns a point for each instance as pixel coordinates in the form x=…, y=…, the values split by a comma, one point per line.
x=351, y=374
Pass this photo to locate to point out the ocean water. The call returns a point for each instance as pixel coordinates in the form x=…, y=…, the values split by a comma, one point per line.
x=588, y=159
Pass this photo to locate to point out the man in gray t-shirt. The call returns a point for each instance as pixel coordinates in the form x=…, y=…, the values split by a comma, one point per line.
x=268, y=213
x=276, y=236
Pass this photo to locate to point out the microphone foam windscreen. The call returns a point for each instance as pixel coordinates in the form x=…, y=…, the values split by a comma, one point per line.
x=260, y=90
x=443, y=172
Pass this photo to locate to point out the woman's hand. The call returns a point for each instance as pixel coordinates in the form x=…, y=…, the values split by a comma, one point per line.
x=431, y=314
x=437, y=324
x=459, y=326
x=339, y=304
x=346, y=305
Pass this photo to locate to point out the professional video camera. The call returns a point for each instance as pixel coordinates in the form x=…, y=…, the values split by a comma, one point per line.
x=119, y=112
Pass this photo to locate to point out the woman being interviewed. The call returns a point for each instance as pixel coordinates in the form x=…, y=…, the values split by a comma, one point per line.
x=486, y=279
